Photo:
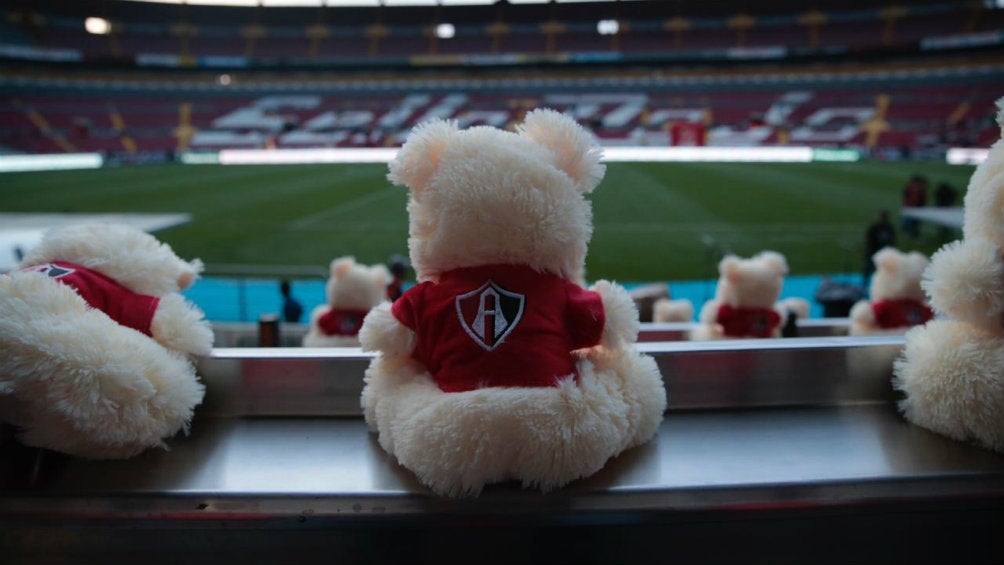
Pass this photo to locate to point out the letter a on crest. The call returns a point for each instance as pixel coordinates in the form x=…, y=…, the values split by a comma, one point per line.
x=490, y=313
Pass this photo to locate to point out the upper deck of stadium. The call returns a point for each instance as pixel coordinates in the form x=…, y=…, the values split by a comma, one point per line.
x=167, y=77
x=500, y=32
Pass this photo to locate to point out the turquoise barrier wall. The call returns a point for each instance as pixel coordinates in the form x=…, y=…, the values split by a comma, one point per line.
x=246, y=299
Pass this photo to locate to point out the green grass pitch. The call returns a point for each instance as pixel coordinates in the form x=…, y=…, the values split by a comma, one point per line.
x=653, y=221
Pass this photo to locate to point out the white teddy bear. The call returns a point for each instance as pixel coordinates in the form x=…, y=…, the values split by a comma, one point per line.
x=97, y=342
x=666, y=310
x=896, y=300
x=952, y=370
x=352, y=290
x=746, y=299
x=498, y=365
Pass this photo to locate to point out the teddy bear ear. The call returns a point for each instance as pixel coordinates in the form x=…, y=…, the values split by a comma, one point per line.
x=190, y=271
x=341, y=266
x=418, y=158
x=775, y=262
x=728, y=267
x=887, y=258
x=574, y=149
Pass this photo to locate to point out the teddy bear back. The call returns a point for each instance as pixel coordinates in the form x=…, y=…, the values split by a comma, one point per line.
x=756, y=281
x=951, y=371
x=486, y=196
x=898, y=275
x=128, y=255
x=352, y=285
x=984, y=200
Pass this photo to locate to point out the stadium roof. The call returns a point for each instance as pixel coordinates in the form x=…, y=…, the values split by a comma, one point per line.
x=355, y=3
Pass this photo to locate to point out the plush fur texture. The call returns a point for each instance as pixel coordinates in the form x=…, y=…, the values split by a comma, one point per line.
x=350, y=286
x=952, y=371
x=953, y=378
x=518, y=201
x=744, y=283
x=897, y=277
x=135, y=259
x=482, y=197
x=456, y=443
x=75, y=381
x=964, y=281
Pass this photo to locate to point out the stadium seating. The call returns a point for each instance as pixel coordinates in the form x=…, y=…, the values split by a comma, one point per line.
x=144, y=108
x=869, y=118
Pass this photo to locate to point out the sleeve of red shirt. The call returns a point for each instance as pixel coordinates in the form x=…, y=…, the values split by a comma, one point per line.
x=404, y=307
x=137, y=311
x=585, y=316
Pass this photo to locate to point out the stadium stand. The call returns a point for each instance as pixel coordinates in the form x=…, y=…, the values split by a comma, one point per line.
x=176, y=77
x=867, y=117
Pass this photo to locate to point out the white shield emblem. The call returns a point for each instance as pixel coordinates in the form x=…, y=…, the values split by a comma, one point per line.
x=490, y=313
x=49, y=270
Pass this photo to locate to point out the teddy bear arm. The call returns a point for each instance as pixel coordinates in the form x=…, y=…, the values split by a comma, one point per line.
x=620, y=315
x=782, y=318
x=382, y=332
x=316, y=314
x=180, y=325
x=966, y=281
x=800, y=307
x=862, y=314
x=709, y=312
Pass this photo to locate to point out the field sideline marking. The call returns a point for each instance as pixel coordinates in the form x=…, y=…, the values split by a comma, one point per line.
x=44, y=220
x=19, y=232
x=710, y=228
x=349, y=205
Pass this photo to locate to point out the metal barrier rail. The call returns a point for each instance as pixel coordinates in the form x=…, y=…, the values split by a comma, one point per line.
x=246, y=334
x=698, y=375
x=754, y=428
x=679, y=331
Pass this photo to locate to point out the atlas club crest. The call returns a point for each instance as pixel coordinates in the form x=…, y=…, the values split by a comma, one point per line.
x=489, y=313
x=50, y=270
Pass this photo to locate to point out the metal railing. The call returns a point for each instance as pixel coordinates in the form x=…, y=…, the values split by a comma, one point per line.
x=754, y=427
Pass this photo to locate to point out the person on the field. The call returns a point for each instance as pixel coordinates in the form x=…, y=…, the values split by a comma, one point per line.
x=914, y=196
x=292, y=310
x=880, y=234
x=398, y=270
x=944, y=197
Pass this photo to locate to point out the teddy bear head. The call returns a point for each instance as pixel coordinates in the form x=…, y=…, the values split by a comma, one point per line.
x=753, y=282
x=356, y=286
x=984, y=201
x=134, y=258
x=898, y=275
x=485, y=196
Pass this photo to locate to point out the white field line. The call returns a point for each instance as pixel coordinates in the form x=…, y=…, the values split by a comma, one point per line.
x=327, y=214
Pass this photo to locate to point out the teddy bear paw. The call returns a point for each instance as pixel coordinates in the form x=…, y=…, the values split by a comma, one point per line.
x=953, y=377
x=180, y=325
x=966, y=281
